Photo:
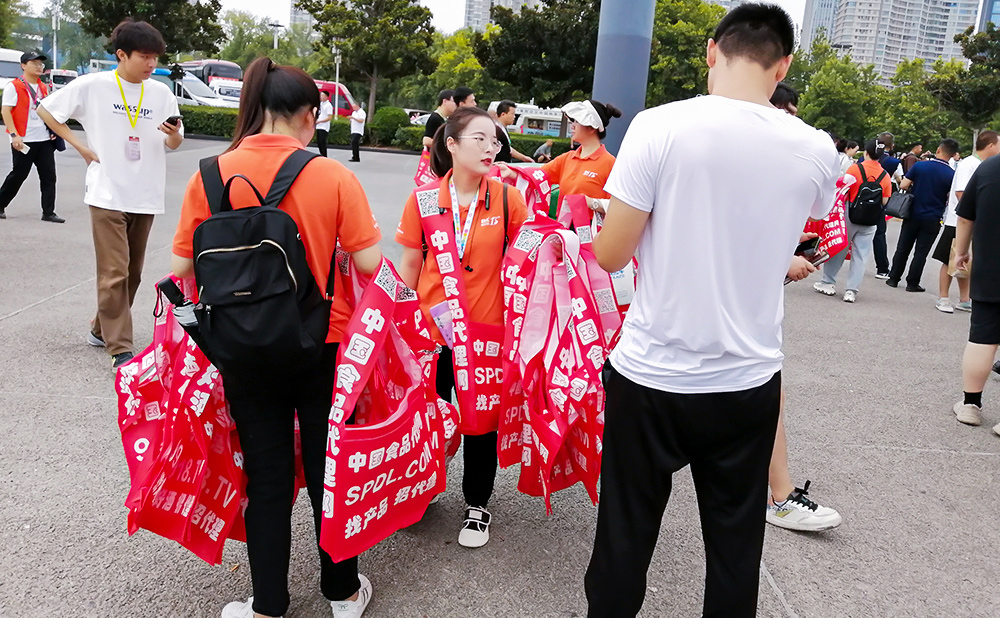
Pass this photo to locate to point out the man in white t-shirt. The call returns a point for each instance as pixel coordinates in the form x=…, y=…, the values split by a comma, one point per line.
x=323, y=121
x=987, y=145
x=124, y=114
x=30, y=141
x=358, y=118
x=696, y=376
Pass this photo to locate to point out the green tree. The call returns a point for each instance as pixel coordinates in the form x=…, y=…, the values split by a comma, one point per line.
x=807, y=62
x=378, y=39
x=842, y=98
x=11, y=12
x=186, y=25
x=910, y=111
x=247, y=37
x=546, y=53
x=972, y=93
x=76, y=47
x=455, y=65
x=681, y=29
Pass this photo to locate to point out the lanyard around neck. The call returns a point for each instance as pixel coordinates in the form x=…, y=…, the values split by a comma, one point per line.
x=462, y=233
x=31, y=93
x=142, y=91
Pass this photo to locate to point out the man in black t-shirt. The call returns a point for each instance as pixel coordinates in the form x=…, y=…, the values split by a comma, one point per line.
x=506, y=114
x=446, y=105
x=979, y=224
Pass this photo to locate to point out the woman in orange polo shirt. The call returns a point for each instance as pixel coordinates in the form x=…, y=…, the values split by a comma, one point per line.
x=461, y=157
x=277, y=117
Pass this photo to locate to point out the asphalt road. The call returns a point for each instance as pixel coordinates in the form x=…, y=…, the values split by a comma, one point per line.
x=870, y=388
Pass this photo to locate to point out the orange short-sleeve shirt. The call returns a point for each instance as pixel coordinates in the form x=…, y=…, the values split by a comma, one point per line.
x=483, y=253
x=579, y=175
x=872, y=171
x=326, y=202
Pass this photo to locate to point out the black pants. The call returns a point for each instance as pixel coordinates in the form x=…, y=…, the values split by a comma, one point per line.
x=264, y=408
x=650, y=434
x=355, y=146
x=921, y=233
x=479, y=452
x=321, y=141
x=42, y=156
x=881, y=247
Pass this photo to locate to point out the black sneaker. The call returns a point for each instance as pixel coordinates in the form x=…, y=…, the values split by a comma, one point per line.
x=996, y=367
x=914, y=288
x=117, y=360
x=53, y=218
x=892, y=283
x=882, y=276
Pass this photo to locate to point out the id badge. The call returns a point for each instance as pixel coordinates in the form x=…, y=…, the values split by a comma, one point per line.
x=132, y=151
x=441, y=314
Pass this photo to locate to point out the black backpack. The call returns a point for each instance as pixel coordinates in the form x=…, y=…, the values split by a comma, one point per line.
x=867, y=205
x=261, y=306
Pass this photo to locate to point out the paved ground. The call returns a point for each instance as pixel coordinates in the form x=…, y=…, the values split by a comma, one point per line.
x=870, y=388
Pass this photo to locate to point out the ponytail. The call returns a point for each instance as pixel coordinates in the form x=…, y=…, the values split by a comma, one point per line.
x=606, y=111
x=267, y=87
x=440, y=155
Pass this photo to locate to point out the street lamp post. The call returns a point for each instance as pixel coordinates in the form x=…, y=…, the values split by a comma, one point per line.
x=276, y=27
x=55, y=36
x=336, y=90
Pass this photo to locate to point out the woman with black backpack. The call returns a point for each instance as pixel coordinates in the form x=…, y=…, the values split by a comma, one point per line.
x=865, y=200
x=277, y=120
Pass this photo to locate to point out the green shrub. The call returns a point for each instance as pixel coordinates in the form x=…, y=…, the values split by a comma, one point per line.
x=382, y=129
x=340, y=133
x=409, y=138
x=203, y=120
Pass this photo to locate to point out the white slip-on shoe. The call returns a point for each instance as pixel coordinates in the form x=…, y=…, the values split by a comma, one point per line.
x=968, y=413
x=476, y=529
x=354, y=609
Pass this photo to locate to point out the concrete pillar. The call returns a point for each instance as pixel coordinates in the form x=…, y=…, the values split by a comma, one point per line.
x=621, y=71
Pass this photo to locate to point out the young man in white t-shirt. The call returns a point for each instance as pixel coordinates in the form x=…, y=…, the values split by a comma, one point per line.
x=323, y=121
x=358, y=118
x=30, y=141
x=124, y=114
x=987, y=145
x=696, y=376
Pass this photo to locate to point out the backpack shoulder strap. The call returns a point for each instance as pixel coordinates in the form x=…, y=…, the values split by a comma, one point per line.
x=861, y=169
x=211, y=179
x=286, y=175
x=880, y=177
x=331, y=281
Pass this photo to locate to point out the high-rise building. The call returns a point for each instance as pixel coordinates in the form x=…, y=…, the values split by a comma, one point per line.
x=989, y=11
x=885, y=32
x=298, y=16
x=819, y=14
x=477, y=12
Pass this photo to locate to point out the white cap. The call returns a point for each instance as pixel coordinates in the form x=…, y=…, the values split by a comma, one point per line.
x=583, y=112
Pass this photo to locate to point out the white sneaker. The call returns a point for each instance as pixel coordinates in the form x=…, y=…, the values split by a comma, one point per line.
x=850, y=296
x=95, y=341
x=968, y=413
x=825, y=288
x=238, y=609
x=944, y=306
x=476, y=529
x=354, y=609
x=798, y=512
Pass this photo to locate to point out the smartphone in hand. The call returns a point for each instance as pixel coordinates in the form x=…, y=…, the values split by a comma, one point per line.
x=173, y=120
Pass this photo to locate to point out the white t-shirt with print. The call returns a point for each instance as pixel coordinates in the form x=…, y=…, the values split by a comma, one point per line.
x=117, y=183
x=966, y=167
x=358, y=118
x=723, y=225
x=37, y=131
x=325, y=111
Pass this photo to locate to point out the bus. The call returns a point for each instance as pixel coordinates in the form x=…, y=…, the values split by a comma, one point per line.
x=208, y=70
x=10, y=66
x=190, y=90
x=533, y=120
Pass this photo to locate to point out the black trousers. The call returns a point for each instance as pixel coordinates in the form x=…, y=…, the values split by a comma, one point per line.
x=321, y=141
x=479, y=452
x=650, y=434
x=42, y=156
x=264, y=408
x=356, y=146
x=920, y=233
x=881, y=247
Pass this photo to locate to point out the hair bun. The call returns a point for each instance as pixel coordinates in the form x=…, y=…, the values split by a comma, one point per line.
x=613, y=111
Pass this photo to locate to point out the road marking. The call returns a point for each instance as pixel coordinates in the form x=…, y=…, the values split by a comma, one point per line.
x=789, y=612
x=67, y=290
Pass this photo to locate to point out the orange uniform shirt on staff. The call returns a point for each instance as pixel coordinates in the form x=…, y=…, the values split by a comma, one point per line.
x=483, y=252
x=326, y=201
x=872, y=171
x=579, y=175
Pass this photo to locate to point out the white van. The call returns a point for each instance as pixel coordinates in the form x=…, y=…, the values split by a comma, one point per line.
x=10, y=66
x=227, y=89
x=192, y=91
x=533, y=120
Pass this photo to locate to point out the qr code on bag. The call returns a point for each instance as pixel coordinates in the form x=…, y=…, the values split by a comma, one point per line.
x=527, y=240
x=386, y=280
x=427, y=202
x=404, y=294
x=605, y=301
